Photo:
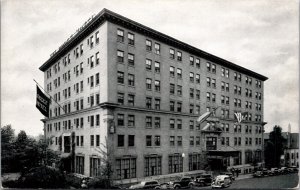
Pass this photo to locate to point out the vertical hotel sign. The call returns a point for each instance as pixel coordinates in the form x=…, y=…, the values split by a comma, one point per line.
x=42, y=102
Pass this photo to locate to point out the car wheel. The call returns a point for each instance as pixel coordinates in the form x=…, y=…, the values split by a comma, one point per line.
x=191, y=186
x=176, y=187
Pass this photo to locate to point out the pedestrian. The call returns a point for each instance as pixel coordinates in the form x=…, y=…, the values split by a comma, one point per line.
x=237, y=172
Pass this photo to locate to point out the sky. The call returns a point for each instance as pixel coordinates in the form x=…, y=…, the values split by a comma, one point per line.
x=261, y=35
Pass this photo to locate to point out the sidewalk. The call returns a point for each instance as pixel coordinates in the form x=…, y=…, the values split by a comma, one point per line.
x=243, y=176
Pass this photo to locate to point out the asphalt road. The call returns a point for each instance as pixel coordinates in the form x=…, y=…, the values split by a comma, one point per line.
x=271, y=182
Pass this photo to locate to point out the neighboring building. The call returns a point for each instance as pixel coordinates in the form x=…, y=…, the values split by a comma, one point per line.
x=139, y=92
x=291, y=148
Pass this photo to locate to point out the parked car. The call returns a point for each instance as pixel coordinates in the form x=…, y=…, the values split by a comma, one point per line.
x=283, y=170
x=258, y=173
x=184, y=182
x=293, y=169
x=165, y=186
x=221, y=181
x=232, y=178
x=146, y=185
x=274, y=171
x=266, y=172
x=204, y=180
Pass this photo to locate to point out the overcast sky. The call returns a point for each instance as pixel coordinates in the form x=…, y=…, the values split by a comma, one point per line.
x=262, y=36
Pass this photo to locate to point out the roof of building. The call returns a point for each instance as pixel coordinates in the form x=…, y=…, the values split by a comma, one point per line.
x=107, y=15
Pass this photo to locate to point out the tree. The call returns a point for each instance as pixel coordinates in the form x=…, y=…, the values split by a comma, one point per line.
x=7, y=149
x=105, y=178
x=275, y=147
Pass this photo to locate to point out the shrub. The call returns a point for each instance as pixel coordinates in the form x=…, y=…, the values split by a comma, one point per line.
x=42, y=177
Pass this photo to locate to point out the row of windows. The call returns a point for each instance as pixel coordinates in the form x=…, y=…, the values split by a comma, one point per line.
x=238, y=141
x=78, y=51
x=210, y=67
x=157, y=86
x=155, y=140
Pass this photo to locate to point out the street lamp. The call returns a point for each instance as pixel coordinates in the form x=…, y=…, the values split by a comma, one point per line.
x=183, y=155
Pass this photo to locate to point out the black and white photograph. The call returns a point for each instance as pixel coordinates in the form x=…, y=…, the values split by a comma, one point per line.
x=150, y=94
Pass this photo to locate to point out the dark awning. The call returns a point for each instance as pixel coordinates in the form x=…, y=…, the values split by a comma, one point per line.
x=221, y=153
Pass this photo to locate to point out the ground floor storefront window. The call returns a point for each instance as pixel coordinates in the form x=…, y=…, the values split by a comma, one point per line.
x=126, y=168
x=194, y=162
x=94, y=167
x=175, y=163
x=152, y=166
x=79, y=164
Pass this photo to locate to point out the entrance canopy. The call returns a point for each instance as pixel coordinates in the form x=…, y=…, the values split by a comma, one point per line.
x=222, y=153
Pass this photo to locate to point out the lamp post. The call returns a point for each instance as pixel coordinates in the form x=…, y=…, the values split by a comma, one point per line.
x=183, y=155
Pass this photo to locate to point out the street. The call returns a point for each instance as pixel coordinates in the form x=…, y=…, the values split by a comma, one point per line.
x=271, y=182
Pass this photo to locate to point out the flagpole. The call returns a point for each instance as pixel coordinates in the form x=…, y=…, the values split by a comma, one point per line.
x=49, y=95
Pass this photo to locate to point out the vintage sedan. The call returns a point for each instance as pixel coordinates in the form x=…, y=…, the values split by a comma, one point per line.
x=221, y=181
x=146, y=185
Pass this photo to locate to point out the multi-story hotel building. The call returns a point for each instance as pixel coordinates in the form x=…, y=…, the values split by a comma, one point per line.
x=140, y=92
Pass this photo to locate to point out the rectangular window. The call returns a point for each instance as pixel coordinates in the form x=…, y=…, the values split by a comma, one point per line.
x=172, y=141
x=148, y=122
x=130, y=79
x=192, y=140
x=172, y=53
x=148, y=140
x=191, y=61
x=172, y=88
x=208, y=66
x=120, y=35
x=179, y=90
x=172, y=71
x=130, y=100
x=130, y=59
x=157, y=103
x=191, y=77
x=208, y=81
x=120, y=78
x=156, y=140
x=191, y=108
x=120, y=140
x=148, y=45
x=152, y=166
x=157, y=48
x=179, y=106
x=179, y=140
x=131, y=121
x=126, y=168
x=172, y=106
x=131, y=140
x=121, y=98
x=172, y=123
x=191, y=125
x=92, y=140
x=149, y=84
x=191, y=93
x=157, y=122
x=179, y=73
x=179, y=124
x=157, y=85
x=197, y=63
x=120, y=118
x=130, y=39
x=120, y=55
x=198, y=78
x=95, y=167
x=79, y=164
x=157, y=67
x=179, y=56
x=149, y=102
x=148, y=64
